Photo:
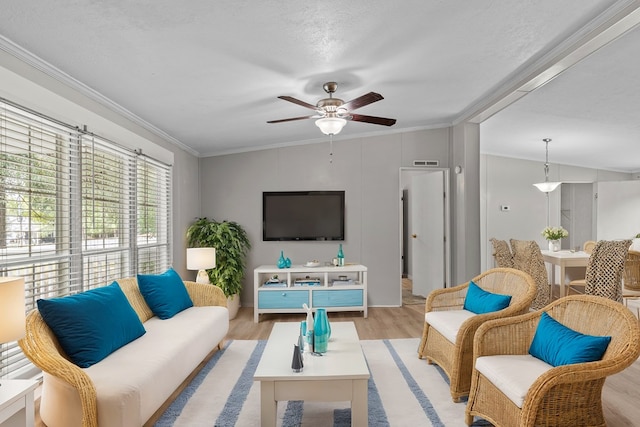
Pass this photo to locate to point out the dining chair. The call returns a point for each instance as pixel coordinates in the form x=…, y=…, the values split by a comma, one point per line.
x=604, y=270
x=447, y=337
x=502, y=253
x=512, y=387
x=577, y=285
x=527, y=257
x=588, y=246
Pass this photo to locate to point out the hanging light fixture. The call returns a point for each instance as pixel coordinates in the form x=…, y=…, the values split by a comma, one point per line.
x=546, y=186
x=331, y=125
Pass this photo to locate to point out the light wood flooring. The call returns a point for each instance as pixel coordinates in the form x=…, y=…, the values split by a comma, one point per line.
x=620, y=396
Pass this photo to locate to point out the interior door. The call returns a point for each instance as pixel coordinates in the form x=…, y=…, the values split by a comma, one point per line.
x=428, y=248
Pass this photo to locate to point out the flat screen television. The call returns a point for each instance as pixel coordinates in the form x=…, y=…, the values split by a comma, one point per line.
x=302, y=215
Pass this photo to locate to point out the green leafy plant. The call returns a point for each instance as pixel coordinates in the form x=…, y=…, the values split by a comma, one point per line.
x=231, y=243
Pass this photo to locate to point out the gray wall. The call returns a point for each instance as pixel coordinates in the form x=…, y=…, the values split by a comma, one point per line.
x=368, y=169
x=509, y=181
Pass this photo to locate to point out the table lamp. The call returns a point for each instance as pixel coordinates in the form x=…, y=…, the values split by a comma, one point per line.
x=12, y=314
x=201, y=259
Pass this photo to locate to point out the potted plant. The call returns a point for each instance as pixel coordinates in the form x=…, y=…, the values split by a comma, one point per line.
x=231, y=243
x=553, y=235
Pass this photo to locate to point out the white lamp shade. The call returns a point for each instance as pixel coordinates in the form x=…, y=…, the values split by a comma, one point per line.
x=331, y=125
x=547, y=187
x=12, y=312
x=201, y=258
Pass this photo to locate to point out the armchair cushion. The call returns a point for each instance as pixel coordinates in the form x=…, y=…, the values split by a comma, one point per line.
x=92, y=324
x=559, y=345
x=512, y=374
x=480, y=301
x=447, y=322
x=164, y=293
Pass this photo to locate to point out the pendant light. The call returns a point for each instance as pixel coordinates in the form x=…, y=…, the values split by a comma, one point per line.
x=546, y=186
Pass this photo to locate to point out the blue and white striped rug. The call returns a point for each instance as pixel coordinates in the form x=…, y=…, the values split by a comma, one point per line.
x=403, y=391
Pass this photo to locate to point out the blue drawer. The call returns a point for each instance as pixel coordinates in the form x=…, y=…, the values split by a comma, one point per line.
x=338, y=298
x=284, y=298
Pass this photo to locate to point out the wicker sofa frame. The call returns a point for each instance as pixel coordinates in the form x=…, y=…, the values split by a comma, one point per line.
x=42, y=348
x=456, y=359
x=569, y=395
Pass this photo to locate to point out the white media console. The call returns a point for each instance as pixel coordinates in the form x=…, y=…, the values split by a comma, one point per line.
x=334, y=288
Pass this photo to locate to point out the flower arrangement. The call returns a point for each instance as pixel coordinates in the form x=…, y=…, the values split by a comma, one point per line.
x=554, y=233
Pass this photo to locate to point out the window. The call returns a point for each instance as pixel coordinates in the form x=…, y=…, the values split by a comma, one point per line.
x=76, y=212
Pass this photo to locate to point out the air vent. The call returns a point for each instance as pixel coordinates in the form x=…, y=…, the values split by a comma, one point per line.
x=426, y=163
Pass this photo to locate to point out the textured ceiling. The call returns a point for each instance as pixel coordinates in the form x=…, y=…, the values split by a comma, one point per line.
x=207, y=73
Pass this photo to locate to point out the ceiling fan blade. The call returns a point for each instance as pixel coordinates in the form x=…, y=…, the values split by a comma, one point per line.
x=292, y=119
x=363, y=100
x=371, y=119
x=297, y=101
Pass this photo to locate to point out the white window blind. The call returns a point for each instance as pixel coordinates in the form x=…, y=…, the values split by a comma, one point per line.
x=76, y=212
x=153, y=190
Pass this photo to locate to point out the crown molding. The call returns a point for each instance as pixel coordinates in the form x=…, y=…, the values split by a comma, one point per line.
x=60, y=76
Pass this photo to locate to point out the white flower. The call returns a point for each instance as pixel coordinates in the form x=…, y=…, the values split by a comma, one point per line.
x=554, y=233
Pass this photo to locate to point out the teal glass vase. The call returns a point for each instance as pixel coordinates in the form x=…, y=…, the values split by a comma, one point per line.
x=321, y=331
x=340, y=256
x=282, y=262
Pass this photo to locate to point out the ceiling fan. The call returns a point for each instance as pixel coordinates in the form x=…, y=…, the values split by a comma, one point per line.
x=332, y=113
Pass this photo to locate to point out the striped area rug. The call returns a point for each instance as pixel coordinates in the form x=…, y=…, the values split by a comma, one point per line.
x=403, y=391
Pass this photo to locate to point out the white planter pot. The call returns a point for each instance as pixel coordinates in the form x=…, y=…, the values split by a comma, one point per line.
x=554, y=245
x=233, y=304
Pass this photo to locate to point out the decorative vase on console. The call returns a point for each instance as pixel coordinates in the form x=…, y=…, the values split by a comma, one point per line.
x=282, y=261
x=553, y=235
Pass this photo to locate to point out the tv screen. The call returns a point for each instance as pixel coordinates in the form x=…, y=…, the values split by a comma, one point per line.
x=303, y=215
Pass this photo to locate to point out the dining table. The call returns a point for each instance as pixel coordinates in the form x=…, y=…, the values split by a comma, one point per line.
x=563, y=259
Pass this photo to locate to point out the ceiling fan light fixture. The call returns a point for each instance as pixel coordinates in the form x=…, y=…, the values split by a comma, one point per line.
x=331, y=125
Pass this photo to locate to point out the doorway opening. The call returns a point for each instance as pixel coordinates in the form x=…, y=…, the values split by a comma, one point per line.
x=424, y=232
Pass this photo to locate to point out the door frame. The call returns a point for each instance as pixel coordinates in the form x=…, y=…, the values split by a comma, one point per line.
x=403, y=174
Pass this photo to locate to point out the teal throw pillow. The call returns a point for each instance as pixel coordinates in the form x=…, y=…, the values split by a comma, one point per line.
x=93, y=324
x=480, y=301
x=165, y=293
x=559, y=345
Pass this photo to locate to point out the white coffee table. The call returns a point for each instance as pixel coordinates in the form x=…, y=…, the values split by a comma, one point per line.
x=341, y=374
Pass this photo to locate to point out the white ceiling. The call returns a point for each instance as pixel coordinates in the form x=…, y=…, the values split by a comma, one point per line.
x=207, y=73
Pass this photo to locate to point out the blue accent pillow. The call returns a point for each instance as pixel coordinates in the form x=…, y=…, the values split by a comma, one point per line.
x=480, y=301
x=559, y=345
x=164, y=293
x=93, y=324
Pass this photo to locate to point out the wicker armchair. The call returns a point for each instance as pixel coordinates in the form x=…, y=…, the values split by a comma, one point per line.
x=41, y=346
x=604, y=270
x=456, y=358
x=502, y=253
x=631, y=271
x=568, y=395
x=528, y=258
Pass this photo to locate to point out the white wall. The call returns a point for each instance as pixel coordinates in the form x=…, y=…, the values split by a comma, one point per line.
x=509, y=181
x=618, y=210
x=368, y=169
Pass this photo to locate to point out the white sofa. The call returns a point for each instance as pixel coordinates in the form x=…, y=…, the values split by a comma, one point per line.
x=127, y=387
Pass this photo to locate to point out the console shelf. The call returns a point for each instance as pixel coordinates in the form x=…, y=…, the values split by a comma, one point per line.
x=318, y=287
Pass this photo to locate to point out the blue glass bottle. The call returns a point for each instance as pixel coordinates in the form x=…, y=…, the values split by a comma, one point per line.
x=340, y=256
x=321, y=331
x=282, y=262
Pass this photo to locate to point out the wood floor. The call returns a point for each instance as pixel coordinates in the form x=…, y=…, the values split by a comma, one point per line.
x=620, y=396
